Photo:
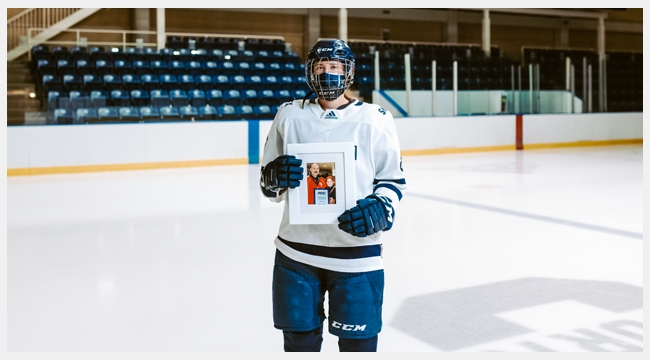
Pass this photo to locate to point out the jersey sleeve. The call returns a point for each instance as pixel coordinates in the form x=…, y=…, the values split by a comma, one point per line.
x=389, y=176
x=273, y=148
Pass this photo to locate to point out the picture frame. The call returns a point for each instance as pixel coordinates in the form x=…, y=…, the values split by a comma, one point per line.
x=323, y=206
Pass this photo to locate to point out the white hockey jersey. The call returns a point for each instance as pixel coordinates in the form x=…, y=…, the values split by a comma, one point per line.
x=378, y=170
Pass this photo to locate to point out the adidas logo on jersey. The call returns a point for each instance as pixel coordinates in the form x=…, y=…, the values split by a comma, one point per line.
x=331, y=115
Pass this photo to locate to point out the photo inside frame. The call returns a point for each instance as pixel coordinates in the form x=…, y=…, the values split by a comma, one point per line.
x=321, y=183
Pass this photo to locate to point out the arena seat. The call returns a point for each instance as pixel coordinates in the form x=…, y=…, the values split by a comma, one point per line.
x=197, y=98
x=188, y=112
x=129, y=114
x=122, y=67
x=176, y=68
x=249, y=97
x=215, y=97
x=64, y=66
x=168, y=82
x=178, y=98
x=86, y=115
x=263, y=112
x=149, y=82
x=72, y=82
x=159, y=98
x=63, y=116
x=194, y=68
x=108, y=114
x=208, y=112
x=149, y=113
x=103, y=67
x=232, y=97
x=221, y=82
x=169, y=113
x=227, y=112
x=111, y=82
x=245, y=112
x=53, y=97
x=140, y=97
x=238, y=82
x=119, y=98
x=186, y=82
x=78, y=99
x=131, y=82
x=83, y=67
x=98, y=98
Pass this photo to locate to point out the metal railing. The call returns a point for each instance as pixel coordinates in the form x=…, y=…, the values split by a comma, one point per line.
x=81, y=40
x=19, y=26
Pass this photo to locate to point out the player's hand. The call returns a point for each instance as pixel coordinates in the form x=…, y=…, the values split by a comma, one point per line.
x=371, y=215
x=283, y=172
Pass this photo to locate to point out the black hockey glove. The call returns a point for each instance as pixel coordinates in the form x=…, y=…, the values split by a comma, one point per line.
x=283, y=172
x=371, y=215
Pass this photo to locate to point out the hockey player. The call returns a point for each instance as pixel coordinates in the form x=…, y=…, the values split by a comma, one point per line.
x=343, y=260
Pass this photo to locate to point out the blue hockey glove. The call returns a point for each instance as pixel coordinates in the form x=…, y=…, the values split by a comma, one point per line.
x=283, y=172
x=371, y=215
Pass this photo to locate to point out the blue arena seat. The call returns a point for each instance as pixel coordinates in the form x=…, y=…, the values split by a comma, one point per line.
x=178, y=98
x=188, y=112
x=267, y=96
x=208, y=112
x=45, y=67
x=232, y=97
x=141, y=67
x=64, y=66
x=140, y=97
x=84, y=67
x=131, y=82
x=245, y=112
x=129, y=114
x=150, y=54
x=186, y=82
x=169, y=113
x=53, y=97
x=108, y=114
x=98, y=53
x=166, y=55
x=238, y=82
x=119, y=98
x=204, y=82
x=215, y=97
x=61, y=53
x=200, y=55
x=283, y=96
x=299, y=94
x=176, y=68
x=51, y=83
x=243, y=68
x=78, y=99
x=227, y=112
x=197, y=98
x=149, y=82
x=133, y=54
x=221, y=82
x=159, y=98
x=194, y=68
x=215, y=55
x=111, y=82
x=210, y=68
x=103, y=67
x=263, y=112
x=86, y=115
x=72, y=82
x=227, y=68
x=149, y=113
x=158, y=67
x=63, y=116
x=285, y=82
x=249, y=97
x=270, y=82
x=168, y=82
x=98, y=98
x=122, y=67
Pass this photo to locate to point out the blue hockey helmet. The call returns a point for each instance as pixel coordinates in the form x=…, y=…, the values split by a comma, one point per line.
x=328, y=85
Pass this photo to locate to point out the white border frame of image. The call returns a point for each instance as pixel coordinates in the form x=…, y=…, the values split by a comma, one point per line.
x=342, y=155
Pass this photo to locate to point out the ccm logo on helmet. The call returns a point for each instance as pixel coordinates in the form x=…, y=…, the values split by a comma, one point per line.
x=324, y=49
x=347, y=327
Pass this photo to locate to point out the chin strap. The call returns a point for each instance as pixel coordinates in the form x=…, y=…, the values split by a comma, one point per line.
x=310, y=93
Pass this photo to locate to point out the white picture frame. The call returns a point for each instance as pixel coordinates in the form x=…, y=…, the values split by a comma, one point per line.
x=341, y=157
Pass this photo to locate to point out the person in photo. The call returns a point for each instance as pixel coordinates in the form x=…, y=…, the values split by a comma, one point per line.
x=314, y=181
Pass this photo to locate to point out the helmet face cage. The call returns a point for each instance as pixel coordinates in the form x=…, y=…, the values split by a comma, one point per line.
x=329, y=86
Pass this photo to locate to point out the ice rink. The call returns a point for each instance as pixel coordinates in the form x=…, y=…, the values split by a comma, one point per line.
x=514, y=251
